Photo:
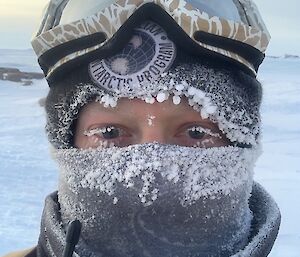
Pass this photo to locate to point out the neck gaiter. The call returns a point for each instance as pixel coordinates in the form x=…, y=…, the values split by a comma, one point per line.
x=157, y=200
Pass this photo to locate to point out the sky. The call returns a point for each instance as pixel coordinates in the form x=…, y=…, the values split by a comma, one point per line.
x=19, y=18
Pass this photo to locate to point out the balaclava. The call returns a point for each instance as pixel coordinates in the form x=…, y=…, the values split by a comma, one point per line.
x=155, y=199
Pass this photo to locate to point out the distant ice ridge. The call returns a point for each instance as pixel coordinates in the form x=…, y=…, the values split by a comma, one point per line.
x=24, y=60
x=286, y=56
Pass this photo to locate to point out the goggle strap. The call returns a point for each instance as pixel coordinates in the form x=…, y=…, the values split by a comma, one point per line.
x=49, y=58
x=249, y=53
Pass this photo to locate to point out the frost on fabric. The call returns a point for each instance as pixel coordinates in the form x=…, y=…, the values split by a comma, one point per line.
x=215, y=94
x=267, y=220
x=147, y=168
x=158, y=199
x=62, y=114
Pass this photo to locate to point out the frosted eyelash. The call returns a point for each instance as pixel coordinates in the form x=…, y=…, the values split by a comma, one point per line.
x=206, y=131
x=95, y=131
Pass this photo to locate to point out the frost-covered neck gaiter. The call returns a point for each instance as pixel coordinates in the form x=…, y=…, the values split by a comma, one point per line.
x=157, y=200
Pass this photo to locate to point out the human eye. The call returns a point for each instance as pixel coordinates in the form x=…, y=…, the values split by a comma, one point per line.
x=107, y=136
x=108, y=132
x=200, y=136
x=198, y=132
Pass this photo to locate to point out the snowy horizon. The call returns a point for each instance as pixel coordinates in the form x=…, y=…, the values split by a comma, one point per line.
x=28, y=174
x=288, y=54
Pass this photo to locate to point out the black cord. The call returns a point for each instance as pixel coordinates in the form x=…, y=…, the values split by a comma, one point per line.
x=72, y=237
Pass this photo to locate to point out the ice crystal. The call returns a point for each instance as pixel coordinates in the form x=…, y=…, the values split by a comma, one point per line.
x=149, y=168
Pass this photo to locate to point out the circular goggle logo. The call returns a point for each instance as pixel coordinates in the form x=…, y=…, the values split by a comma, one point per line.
x=148, y=54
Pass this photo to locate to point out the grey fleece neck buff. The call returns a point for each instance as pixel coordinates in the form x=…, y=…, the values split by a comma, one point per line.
x=264, y=229
x=157, y=200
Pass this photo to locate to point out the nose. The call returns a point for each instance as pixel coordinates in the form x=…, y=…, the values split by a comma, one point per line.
x=150, y=135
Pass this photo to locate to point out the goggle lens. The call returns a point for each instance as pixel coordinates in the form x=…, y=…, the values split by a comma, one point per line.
x=226, y=9
x=76, y=9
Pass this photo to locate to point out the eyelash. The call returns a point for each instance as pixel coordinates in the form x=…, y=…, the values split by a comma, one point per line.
x=184, y=137
x=204, y=130
x=95, y=131
x=99, y=140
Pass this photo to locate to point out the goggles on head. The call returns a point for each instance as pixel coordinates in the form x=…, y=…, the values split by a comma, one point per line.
x=74, y=32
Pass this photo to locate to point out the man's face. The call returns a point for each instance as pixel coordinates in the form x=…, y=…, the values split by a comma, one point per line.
x=136, y=122
x=168, y=193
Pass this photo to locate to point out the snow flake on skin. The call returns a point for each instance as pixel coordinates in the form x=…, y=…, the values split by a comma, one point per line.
x=150, y=120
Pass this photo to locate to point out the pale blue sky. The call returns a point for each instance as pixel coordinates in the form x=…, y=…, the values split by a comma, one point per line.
x=18, y=19
x=282, y=19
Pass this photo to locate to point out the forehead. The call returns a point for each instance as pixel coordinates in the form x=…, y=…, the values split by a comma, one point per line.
x=126, y=106
x=135, y=112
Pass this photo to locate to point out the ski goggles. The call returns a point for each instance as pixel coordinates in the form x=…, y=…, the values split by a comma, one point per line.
x=74, y=32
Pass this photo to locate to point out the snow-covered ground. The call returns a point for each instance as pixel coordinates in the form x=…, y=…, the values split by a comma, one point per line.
x=27, y=174
x=278, y=169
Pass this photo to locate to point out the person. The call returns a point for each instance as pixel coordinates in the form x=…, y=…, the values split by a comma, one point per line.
x=153, y=117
